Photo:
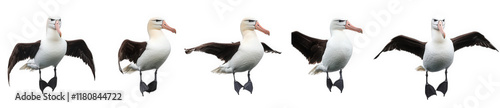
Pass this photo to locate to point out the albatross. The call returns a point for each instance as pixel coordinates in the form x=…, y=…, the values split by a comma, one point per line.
x=49, y=52
x=329, y=55
x=239, y=56
x=438, y=53
x=146, y=55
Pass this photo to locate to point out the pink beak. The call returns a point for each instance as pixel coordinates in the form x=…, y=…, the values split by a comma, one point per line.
x=165, y=26
x=440, y=27
x=260, y=28
x=58, y=28
x=351, y=27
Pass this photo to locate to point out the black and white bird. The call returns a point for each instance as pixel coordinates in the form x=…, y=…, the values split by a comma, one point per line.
x=147, y=55
x=332, y=54
x=239, y=56
x=49, y=52
x=438, y=53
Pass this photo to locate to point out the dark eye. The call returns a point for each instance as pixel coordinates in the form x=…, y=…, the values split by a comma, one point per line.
x=443, y=20
x=52, y=19
x=157, y=20
x=341, y=20
x=251, y=20
x=59, y=20
x=435, y=20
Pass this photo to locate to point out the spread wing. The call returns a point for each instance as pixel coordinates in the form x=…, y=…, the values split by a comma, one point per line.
x=268, y=49
x=78, y=48
x=20, y=52
x=405, y=43
x=223, y=51
x=471, y=39
x=130, y=50
x=311, y=48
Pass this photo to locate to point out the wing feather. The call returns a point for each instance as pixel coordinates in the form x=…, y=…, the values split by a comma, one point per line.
x=78, y=48
x=471, y=39
x=223, y=51
x=20, y=52
x=130, y=50
x=405, y=43
x=268, y=49
x=311, y=48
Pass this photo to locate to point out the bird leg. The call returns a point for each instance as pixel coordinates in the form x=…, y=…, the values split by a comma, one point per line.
x=249, y=86
x=42, y=83
x=340, y=82
x=329, y=83
x=143, y=86
x=53, y=82
x=443, y=87
x=152, y=85
x=237, y=85
x=429, y=89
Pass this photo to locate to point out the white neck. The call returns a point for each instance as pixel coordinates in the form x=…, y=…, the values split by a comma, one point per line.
x=155, y=33
x=52, y=34
x=249, y=35
x=436, y=35
x=336, y=31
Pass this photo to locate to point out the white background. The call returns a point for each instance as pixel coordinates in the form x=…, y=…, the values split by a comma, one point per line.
x=280, y=81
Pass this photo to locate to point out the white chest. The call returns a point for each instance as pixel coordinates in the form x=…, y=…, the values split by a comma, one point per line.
x=438, y=55
x=337, y=53
x=154, y=56
x=247, y=57
x=50, y=52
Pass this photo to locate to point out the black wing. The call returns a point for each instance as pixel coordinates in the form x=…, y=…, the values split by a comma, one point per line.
x=268, y=49
x=20, y=52
x=311, y=48
x=223, y=51
x=405, y=43
x=78, y=48
x=471, y=39
x=130, y=50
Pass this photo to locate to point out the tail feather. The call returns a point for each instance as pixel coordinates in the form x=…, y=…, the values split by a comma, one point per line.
x=314, y=70
x=130, y=69
x=220, y=70
x=217, y=70
x=420, y=68
x=26, y=67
